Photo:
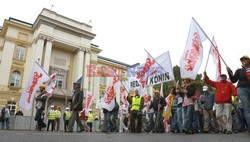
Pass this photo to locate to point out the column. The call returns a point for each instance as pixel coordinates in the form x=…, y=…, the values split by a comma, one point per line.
x=39, y=50
x=78, y=64
x=86, y=63
x=47, y=55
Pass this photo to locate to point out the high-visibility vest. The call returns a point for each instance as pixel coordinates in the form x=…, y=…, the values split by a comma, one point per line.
x=67, y=115
x=57, y=113
x=52, y=115
x=136, y=103
x=90, y=117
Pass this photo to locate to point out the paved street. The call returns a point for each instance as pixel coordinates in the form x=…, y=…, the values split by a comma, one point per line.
x=33, y=136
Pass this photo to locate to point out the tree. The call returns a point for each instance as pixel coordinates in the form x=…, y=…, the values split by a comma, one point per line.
x=167, y=86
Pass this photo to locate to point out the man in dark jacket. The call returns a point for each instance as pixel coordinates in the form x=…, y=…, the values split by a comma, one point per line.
x=158, y=104
x=242, y=75
x=76, y=106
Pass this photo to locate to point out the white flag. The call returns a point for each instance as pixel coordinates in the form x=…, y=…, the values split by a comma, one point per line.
x=88, y=102
x=193, y=53
x=50, y=85
x=108, y=101
x=36, y=78
x=216, y=59
x=151, y=73
x=124, y=94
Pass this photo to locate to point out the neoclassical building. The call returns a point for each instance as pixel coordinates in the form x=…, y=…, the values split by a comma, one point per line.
x=59, y=44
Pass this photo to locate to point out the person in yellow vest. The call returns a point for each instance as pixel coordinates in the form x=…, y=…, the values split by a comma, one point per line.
x=137, y=103
x=90, y=119
x=57, y=119
x=51, y=118
x=66, y=117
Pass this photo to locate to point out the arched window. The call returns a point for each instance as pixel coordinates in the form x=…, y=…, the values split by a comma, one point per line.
x=15, y=79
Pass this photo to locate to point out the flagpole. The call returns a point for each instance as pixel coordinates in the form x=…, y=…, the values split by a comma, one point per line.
x=122, y=83
x=208, y=58
x=210, y=41
x=159, y=64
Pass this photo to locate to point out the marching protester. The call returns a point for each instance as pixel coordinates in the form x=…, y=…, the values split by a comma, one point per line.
x=113, y=116
x=207, y=99
x=158, y=104
x=122, y=116
x=242, y=75
x=66, y=116
x=150, y=115
x=223, y=100
x=188, y=105
x=137, y=104
x=40, y=108
x=84, y=119
x=90, y=120
x=51, y=118
x=76, y=106
x=57, y=118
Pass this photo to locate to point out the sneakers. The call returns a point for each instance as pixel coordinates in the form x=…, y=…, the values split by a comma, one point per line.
x=229, y=132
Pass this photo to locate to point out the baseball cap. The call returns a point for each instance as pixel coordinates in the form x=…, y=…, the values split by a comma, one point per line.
x=244, y=57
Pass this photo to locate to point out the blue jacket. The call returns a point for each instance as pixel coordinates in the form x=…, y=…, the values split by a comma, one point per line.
x=208, y=100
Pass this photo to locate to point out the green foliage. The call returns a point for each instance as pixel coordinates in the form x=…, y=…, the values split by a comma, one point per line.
x=167, y=86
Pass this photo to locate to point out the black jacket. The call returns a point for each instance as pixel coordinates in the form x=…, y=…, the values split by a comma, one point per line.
x=156, y=102
x=76, y=100
x=239, y=75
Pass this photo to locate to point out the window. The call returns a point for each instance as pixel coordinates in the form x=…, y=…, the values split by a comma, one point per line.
x=59, y=81
x=103, y=78
x=20, y=51
x=12, y=107
x=15, y=79
x=103, y=81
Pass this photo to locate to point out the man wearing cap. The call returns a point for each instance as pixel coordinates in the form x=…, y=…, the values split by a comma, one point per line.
x=76, y=106
x=224, y=90
x=242, y=75
x=207, y=99
x=158, y=105
x=66, y=117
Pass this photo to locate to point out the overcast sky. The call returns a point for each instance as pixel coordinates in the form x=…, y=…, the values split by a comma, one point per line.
x=124, y=28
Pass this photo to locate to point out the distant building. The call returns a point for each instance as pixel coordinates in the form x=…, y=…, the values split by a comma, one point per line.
x=59, y=44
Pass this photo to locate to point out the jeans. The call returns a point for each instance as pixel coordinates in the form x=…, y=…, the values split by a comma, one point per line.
x=174, y=122
x=151, y=123
x=187, y=112
x=195, y=123
x=244, y=96
x=106, y=122
x=159, y=126
x=179, y=118
x=113, y=117
x=7, y=122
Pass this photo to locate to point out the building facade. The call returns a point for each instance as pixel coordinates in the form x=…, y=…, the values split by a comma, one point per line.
x=59, y=44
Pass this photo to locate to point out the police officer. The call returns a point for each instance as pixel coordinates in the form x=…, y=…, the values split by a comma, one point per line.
x=90, y=119
x=137, y=104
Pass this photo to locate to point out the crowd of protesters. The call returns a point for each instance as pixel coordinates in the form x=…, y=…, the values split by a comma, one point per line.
x=223, y=109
